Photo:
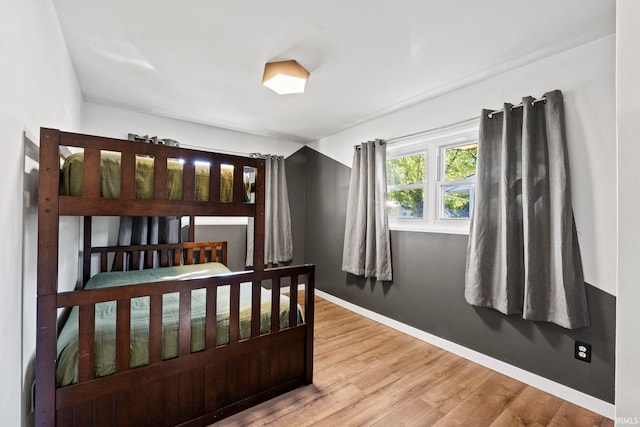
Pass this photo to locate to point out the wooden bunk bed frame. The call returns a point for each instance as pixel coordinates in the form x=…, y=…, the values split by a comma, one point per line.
x=193, y=389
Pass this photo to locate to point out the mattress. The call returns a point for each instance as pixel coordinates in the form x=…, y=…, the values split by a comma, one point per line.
x=71, y=181
x=105, y=319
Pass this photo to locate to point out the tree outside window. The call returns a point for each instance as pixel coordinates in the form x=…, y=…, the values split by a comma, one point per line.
x=405, y=186
x=459, y=170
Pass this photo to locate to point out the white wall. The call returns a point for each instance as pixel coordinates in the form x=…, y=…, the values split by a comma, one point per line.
x=628, y=301
x=117, y=123
x=586, y=76
x=38, y=88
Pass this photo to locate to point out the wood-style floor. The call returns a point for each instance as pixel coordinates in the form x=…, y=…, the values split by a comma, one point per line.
x=367, y=374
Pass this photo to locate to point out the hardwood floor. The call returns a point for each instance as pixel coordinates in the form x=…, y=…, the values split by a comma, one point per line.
x=367, y=374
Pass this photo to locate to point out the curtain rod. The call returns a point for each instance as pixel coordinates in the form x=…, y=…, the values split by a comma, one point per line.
x=423, y=132
x=216, y=150
x=469, y=120
x=534, y=102
x=265, y=156
x=235, y=153
x=378, y=140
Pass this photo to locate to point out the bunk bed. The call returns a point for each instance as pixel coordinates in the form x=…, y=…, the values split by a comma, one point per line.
x=160, y=334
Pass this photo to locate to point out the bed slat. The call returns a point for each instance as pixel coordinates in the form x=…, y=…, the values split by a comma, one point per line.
x=188, y=181
x=91, y=173
x=155, y=328
x=293, y=302
x=210, y=321
x=189, y=257
x=160, y=177
x=86, y=342
x=238, y=185
x=103, y=262
x=255, y=308
x=148, y=259
x=135, y=260
x=164, y=257
x=123, y=332
x=275, y=304
x=214, y=183
x=119, y=261
x=128, y=176
x=184, y=334
x=234, y=312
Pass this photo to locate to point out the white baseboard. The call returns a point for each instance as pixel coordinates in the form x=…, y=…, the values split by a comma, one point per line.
x=301, y=288
x=566, y=393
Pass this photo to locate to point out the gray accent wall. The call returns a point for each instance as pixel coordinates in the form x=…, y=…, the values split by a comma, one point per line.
x=428, y=290
x=234, y=235
x=296, y=165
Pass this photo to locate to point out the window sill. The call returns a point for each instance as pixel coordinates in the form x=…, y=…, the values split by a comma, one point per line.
x=462, y=229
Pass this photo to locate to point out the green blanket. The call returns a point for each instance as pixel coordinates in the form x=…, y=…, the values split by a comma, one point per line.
x=105, y=318
x=71, y=183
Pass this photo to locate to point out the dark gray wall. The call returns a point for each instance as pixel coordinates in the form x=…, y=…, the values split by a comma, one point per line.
x=296, y=165
x=428, y=293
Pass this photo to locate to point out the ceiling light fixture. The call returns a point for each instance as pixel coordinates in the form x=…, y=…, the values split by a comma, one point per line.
x=285, y=77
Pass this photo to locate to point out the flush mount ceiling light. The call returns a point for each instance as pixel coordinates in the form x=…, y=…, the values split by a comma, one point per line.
x=285, y=77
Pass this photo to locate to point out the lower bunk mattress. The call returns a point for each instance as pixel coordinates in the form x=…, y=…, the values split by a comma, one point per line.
x=105, y=319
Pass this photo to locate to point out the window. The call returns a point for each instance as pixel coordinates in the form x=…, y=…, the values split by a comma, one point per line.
x=431, y=180
x=457, y=182
x=405, y=186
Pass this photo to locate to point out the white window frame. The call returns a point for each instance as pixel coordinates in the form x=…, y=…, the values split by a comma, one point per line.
x=433, y=144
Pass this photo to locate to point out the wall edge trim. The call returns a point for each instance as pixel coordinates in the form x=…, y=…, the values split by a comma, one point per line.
x=576, y=397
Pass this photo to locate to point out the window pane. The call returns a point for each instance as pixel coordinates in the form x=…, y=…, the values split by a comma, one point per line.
x=457, y=201
x=460, y=162
x=406, y=170
x=405, y=203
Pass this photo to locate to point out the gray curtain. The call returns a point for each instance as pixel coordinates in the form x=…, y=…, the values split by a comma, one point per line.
x=523, y=254
x=367, y=248
x=148, y=230
x=278, y=241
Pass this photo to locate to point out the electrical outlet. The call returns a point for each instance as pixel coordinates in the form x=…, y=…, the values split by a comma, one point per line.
x=582, y=351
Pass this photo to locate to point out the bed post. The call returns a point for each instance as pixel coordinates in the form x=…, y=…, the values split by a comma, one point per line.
x=258, y=230
x=86, y=251
x=309, y=317
x=192, y=228
x=48, y=221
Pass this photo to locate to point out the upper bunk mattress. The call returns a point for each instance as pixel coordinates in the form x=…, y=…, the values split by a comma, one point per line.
x=71, y=180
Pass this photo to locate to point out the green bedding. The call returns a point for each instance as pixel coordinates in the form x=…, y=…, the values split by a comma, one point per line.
x=105, y=318
x=72, y=171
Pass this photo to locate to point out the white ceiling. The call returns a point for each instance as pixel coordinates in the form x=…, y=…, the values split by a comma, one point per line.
x=202, y=60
